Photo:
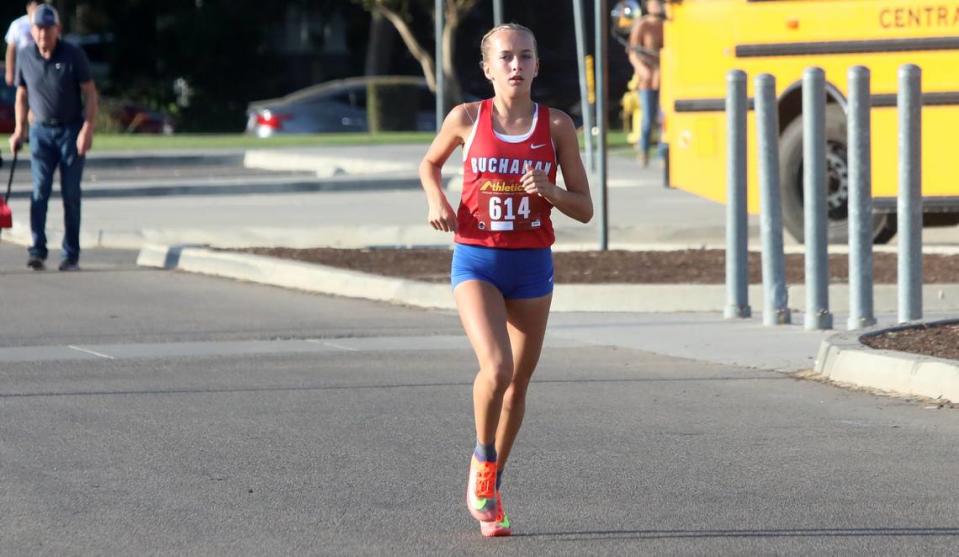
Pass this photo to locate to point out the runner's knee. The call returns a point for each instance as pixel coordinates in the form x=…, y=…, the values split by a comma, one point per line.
x=515, y=395
x=498, y=374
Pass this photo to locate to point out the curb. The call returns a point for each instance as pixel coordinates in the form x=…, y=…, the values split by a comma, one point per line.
x=297, y=275
x=245, y=187
x=843, y=358
x=340, y=282
x=323, y=166
x=642, y=298
x=139, y=159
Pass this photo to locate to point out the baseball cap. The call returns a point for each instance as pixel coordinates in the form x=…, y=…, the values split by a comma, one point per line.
x=45, y=15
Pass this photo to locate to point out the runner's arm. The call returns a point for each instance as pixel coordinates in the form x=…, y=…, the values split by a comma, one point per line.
x=575, y=200
x=451, y=135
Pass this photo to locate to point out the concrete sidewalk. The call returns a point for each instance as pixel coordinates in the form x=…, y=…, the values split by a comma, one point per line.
x=355, y=196
x=354, y=201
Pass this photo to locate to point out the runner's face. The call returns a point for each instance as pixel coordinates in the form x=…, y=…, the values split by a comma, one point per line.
x=511, y=62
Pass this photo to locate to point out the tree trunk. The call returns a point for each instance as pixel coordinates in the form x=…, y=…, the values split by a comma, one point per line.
x=423, y=57
x=382, y=38
x=454, y=93
x=454, y=11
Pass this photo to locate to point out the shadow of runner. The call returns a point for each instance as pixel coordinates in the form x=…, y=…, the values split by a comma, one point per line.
x=595, y=535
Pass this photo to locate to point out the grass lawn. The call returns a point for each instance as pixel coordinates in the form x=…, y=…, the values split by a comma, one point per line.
x=128, y=142
x=135, y=142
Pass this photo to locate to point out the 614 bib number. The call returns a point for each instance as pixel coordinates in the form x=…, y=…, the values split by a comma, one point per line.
x=508, y=213
x=501, y=208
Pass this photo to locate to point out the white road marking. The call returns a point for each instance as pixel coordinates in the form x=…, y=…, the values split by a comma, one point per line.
x=77, y=348
x=332, y=344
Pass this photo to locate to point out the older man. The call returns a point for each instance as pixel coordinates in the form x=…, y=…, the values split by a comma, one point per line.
x=54, y=82
x=18, y=36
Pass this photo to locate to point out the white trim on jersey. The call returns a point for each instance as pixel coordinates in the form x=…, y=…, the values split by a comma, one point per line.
x=522, y=137
x=469, y=140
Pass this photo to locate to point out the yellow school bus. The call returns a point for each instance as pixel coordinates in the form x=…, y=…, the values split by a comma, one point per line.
x=707, y=38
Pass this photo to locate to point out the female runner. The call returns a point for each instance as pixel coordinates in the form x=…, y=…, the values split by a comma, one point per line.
x=502, y=271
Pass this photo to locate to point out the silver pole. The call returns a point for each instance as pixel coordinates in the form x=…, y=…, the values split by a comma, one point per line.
x=580, y=24
x=860, y=201
x=602, y=38
x=737, y=262
x=497, y=12
x=910, y=193
x=775, y=295
x=814, y=200
x=440, y=81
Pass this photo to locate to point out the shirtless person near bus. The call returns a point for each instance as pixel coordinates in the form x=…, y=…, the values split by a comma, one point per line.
x=645, y=42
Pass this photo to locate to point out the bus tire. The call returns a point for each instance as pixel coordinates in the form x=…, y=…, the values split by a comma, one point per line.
x=791, y=182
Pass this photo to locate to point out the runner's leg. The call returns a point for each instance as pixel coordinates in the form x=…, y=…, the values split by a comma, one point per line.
x=482, y=311
x=526, y=325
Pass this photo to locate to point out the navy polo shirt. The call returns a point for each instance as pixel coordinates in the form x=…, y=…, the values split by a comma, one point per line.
x=53, y=86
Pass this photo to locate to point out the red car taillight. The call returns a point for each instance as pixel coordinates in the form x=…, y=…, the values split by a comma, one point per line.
x=271, y=120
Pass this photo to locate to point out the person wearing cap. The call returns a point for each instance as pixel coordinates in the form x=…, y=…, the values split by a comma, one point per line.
x=18, y=36
x=54, y=83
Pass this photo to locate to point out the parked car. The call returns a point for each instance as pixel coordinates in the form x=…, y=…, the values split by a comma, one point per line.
x=130, y=117
x=341, y=106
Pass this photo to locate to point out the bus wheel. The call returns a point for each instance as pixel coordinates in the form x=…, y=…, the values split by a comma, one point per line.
x=837, y=180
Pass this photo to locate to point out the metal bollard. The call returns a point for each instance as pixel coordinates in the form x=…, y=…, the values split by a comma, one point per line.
x=814, y=200
x=860, y=201
x=737, y=262
x=775, y=295
x=909, y=206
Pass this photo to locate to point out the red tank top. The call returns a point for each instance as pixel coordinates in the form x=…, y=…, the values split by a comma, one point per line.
x=495, y=211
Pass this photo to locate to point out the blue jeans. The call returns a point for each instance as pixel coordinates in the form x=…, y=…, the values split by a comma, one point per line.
x=649, y=99
x=53, y=147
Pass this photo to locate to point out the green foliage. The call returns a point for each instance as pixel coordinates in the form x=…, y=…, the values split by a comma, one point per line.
x=107, y=120
x=217, y=46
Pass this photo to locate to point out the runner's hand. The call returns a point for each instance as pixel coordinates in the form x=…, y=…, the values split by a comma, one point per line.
x=442, y=217
x=536, y=181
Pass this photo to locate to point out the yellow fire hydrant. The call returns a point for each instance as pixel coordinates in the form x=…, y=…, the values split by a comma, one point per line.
x=632, y=112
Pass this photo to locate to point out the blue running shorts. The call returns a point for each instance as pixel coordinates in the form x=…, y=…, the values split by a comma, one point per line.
x=516, y=273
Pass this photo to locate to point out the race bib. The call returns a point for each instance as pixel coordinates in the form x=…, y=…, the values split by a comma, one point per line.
x=506, y=207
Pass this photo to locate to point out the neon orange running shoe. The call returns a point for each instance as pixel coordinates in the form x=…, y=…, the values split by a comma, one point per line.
x=481, y=490
x=499, y=527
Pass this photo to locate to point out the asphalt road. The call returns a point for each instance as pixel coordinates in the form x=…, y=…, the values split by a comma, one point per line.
x=155, y=412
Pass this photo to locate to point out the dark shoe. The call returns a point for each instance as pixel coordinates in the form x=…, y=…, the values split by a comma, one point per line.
x=35, y=263
x=67, y=265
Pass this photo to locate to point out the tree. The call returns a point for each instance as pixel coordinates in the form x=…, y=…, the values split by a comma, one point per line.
x=400, y=14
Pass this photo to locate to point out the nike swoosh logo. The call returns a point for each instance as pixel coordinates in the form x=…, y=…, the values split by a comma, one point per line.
x=480, y=503
x=535, y=146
